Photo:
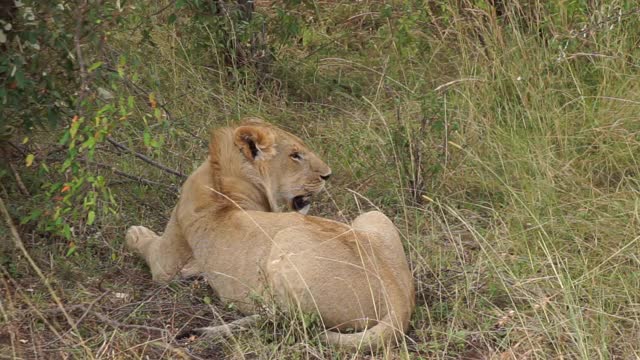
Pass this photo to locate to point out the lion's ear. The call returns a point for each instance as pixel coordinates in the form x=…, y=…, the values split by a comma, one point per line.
x=255, y=142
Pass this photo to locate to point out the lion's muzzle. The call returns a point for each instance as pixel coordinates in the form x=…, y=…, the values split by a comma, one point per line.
x=301, y=203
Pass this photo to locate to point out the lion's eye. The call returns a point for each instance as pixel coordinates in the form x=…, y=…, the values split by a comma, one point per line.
x=296, y=156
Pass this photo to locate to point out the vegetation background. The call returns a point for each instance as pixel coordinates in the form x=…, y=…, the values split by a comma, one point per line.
x=503, y=138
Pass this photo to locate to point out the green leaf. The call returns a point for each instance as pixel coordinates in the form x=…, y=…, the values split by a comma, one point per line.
x=147, y=139
x=438, y=125
x=66, y=164
x=66, y=231
x=122, y=62
x=29, y=159
x=53, y=117
x=72, y=249
x=20, y=79
x=95, y=65
x=91, y=217
x=35, y=214
x=90, y=143
x=172, y=19
x=64, y=138
x=74, y=128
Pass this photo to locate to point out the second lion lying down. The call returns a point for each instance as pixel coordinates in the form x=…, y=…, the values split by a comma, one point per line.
x=228, y=225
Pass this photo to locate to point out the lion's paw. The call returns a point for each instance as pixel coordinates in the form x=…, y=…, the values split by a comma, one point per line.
x=138, y=236
x=190, y=270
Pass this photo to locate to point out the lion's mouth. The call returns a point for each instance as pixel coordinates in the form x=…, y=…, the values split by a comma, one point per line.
x=301, y=203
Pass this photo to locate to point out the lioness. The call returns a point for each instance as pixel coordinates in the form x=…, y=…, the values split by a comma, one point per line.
x=228, y=225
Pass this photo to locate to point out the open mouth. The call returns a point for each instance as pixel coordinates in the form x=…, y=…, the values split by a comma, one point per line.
x=301, y=203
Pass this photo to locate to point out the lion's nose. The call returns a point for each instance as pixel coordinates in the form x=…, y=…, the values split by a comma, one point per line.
x=325, y=177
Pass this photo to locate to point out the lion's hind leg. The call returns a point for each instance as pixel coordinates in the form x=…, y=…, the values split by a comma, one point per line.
x=378, y=223
x=384, y=236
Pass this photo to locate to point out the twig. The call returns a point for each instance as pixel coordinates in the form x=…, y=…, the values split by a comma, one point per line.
x=445, y=145
x=145, y=158
x=133, y=177
x=225, y=329
x=173, y=189
x=446, y=85
x=18, y=148
x=23, y=189
x=117, y=324
x=83, y=69
x=164, y=8
x=168, y=347
x=87, y=309
x=418, y=180
x=146, y=93
x=84, y=314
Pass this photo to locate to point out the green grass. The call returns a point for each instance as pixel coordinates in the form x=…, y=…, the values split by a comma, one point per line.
x=506, y=150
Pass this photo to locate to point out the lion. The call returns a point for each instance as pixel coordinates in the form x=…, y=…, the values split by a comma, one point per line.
x=241, y=222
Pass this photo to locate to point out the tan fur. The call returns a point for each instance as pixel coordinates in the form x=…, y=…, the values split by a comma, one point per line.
x=228, y=225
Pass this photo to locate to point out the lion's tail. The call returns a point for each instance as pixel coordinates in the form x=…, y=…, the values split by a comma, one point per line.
x=380, y=335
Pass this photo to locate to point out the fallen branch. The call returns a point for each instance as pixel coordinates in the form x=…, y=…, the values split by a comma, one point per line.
x=145, y=158
x=224, y=330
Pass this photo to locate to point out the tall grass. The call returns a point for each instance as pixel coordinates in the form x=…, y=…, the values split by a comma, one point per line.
x=503, y=140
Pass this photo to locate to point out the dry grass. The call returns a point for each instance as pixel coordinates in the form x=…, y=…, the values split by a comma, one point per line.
x=506, y=149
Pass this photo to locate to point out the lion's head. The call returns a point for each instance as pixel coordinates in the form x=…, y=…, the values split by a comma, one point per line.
x=262, y=167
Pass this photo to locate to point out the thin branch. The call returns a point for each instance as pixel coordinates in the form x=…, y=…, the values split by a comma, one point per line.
x=173, y=189
x=84, y=86
x=453, y=82
x=72, y=308
x=224, y=330
x=18, y=148
x=164, y=8
x=145, y=158
x=23, y=189
x=146, y=93
x=117, y=324
x=140, y=179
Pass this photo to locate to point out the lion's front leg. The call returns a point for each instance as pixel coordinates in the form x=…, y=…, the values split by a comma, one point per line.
x=166, y=255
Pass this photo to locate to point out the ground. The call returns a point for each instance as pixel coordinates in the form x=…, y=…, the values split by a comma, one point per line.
x=504, y=146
